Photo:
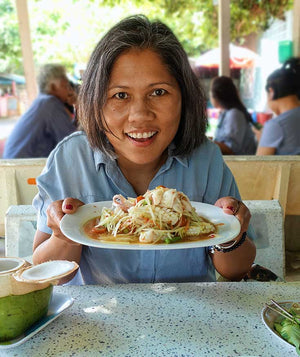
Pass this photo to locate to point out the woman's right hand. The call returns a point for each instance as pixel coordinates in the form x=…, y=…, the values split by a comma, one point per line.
x=57, y=246
x=55, y=212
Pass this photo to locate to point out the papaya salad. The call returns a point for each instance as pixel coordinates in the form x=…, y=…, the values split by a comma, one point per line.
x=162, y=215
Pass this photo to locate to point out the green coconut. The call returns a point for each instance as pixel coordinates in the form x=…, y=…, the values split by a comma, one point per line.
x=25, y=292
x=19, y=312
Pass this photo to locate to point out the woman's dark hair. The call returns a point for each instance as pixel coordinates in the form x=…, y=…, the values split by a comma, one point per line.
x=139, y=32
x=225, y=92
x=285, y=81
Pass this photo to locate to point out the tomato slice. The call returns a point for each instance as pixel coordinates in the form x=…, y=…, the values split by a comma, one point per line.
x=99, y=230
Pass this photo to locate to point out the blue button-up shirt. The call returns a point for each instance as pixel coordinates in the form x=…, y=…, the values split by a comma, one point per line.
x=235, y=132
x=74, y=170
x=39, y=129
x=283, y=133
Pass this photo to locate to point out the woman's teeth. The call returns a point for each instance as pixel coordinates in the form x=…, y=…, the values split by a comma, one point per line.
x=141, y=135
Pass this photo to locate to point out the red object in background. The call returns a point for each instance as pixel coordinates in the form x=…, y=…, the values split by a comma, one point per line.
x=31, y=181
x=13, y=88
x=2, y=144
x=263, y=117
x=213, y=113
x=3, y=107
x=239, y=57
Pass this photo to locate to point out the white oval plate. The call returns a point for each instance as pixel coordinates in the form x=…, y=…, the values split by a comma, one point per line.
x=72, y=226
x=269, y=316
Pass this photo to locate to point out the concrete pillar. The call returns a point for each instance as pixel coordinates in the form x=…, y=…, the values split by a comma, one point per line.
x=28, y=63
x=224, y=37
x=296, y=28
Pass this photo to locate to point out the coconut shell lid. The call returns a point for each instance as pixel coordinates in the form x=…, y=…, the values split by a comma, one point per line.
x=46, y=272
x=11, y=265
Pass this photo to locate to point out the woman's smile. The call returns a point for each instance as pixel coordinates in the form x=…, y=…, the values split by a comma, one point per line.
x=142, y=138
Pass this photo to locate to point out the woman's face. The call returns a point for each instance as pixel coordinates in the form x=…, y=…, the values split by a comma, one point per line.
x=143, y=107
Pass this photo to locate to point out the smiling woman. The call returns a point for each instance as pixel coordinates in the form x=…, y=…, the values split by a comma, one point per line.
x=142, y=110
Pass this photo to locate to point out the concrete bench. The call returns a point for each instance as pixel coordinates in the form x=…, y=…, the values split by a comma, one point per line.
x=20, y=227
x=267, y=221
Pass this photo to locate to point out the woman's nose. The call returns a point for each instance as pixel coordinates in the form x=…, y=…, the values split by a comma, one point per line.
x=139, y=110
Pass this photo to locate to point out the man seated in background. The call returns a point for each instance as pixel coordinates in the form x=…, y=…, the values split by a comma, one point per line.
x=47, y=121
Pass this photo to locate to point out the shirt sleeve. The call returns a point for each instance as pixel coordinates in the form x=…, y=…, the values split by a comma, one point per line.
x=272, y=135
x=220, y=181
x=51, y=185
x=224, y=186
x=43, y=197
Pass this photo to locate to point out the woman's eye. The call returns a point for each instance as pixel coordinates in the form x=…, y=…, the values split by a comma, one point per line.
x=121, y=95
x=158, y=92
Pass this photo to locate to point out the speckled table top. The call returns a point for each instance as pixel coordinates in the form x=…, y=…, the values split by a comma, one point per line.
x=193, y=319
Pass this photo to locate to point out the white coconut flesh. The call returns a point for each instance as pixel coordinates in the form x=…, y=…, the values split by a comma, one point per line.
x=10, y=265
x=48, y=271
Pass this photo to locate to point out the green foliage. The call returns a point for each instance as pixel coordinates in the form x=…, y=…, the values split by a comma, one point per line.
x=67, y=31
x=10, y=45
x=255, y=16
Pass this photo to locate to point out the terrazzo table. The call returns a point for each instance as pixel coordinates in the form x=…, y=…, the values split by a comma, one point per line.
x=191, y=319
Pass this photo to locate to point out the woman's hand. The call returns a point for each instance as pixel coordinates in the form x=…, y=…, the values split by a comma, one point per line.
x=231, y=205
x=57, y=246
x=57, y=209
x=235, y=263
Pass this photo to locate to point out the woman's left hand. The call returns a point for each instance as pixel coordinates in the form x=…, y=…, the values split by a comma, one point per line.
x=231, y=205
x=235, y=264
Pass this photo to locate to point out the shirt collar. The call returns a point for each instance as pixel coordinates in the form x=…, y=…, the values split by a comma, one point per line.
x=102, y=158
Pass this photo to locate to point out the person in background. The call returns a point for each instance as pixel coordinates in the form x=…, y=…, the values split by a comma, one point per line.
x=47, y=121
x=234, y=134
x=71, y=102
x=143, y=113
x=294, y=64
x=280, y=135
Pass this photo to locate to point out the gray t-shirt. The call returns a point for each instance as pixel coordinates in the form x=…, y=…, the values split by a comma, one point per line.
x=283, y=133
x=235, y=132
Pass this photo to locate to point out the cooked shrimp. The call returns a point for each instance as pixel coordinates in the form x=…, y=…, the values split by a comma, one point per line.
x=148, y=236
x=121, y=202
